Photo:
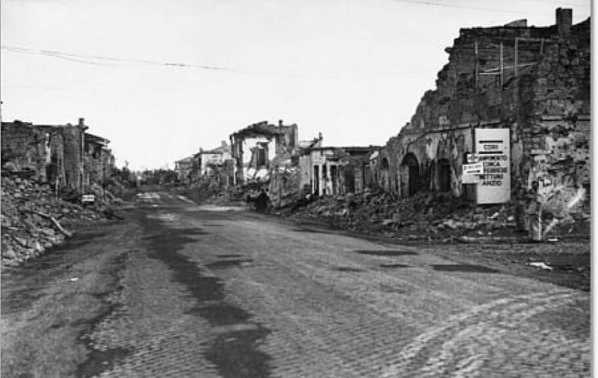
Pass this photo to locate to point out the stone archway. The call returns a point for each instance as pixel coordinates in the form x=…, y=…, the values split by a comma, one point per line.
x=410, y=179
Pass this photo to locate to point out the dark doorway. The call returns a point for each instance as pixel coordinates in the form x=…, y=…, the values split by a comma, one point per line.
x=410, y=167
x=261, y=157
x=444, y=175
x=349, y=180
x=334, y=178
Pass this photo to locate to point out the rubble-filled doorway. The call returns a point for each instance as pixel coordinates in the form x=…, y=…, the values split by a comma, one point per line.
x=410, y=173
x=444, y=175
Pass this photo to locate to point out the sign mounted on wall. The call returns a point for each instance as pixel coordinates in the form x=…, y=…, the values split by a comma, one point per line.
x=492, y=148
x=475, y=168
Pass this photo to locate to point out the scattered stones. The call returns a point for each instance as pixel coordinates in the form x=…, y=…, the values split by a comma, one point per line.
x=25, y=233
x=424, y=216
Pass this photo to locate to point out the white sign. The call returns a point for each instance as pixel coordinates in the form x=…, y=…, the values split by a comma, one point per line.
x=88, y=198
x=476, y=168
x=492, y=148
x=469, y=178
x=471, y=158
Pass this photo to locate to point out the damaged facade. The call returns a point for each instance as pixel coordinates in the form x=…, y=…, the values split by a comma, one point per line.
x=273, y=162
x=213, y=167
x=183, y=168
x=267, y=143
x=64, y=156
x=98, y=160
x=336, y=170
x=216, y=164
x=533, y=81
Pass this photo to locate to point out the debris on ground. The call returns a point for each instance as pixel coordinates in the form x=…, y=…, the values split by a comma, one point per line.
x=34, y=219
x=424, y=216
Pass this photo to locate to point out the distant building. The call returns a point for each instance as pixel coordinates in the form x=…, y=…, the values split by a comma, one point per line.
x=183, y=168
x=214, y=157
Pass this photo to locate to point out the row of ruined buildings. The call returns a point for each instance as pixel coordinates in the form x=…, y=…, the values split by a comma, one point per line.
x=67, y=157
x=271, y=157
x=513, y=102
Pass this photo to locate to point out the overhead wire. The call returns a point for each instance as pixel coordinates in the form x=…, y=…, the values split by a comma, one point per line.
x=93, y=59
x=447, y=5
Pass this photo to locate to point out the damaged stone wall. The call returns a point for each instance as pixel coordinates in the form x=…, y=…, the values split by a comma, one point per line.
x=26, y=147
x=73, y=156
x=543, y=100
x=54, y=154
x=284, y=186
x=97, y=160
x=558, y=136
x=98, y=165
x=285, y=139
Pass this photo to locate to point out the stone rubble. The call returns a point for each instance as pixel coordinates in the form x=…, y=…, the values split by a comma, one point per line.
x=425, y=216
x=26, y=229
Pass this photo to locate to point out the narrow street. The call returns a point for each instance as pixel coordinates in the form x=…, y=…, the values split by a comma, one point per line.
x=184, y=290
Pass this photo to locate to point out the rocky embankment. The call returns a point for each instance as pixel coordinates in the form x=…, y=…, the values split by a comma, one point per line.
x=33, y=219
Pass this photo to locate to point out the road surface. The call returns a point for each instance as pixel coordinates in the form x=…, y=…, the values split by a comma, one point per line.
x=181, y=290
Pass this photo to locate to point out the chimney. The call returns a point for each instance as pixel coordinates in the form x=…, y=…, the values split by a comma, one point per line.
x=280, y=123
x=564, y=19
x=81, y=121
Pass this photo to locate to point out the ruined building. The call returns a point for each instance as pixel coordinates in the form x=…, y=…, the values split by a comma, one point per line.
x=64, y=156
x=336, y=170
x=98, y=161
x=215, y=164
x=265, y=142
x=209, y=160
x=183, y=168
x=532, y=81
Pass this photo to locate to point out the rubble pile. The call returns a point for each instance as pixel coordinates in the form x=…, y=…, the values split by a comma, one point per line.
x=33, y=219
x=424, y=216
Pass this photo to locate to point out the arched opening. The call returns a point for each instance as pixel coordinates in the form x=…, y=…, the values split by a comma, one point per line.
x=410, y=174
x=444, y=175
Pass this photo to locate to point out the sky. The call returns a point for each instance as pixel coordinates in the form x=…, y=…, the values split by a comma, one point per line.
x=160, y=79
